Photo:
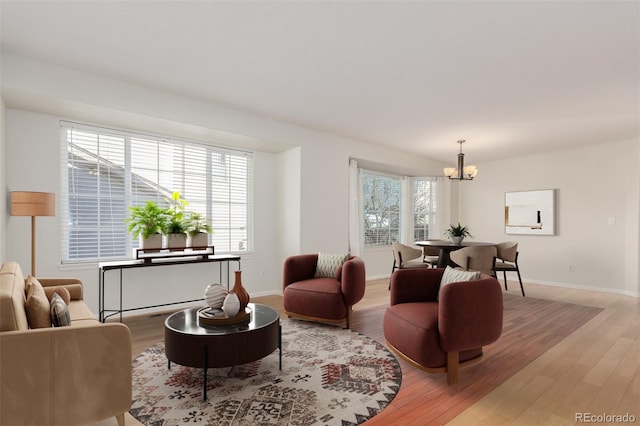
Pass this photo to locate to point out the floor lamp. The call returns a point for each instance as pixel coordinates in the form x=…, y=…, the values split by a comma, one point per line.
x=24, y=203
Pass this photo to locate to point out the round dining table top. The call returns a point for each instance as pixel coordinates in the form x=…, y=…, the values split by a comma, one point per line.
x=449, y=243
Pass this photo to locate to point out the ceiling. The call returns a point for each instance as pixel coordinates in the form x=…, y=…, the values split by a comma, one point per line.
x=512, y=78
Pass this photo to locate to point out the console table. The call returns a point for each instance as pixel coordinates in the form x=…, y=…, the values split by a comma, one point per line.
x=104, y=267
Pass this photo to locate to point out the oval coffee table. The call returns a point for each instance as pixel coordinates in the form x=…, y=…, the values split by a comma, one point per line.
x=191, y=344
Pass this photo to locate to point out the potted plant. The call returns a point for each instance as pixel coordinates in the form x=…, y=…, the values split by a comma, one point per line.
x=457, y=233
x=198, y=230
x=146, y=222
x=175, y=227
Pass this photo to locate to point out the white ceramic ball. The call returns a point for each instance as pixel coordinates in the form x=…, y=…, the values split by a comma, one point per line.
x=231, y=305
x=214, y=295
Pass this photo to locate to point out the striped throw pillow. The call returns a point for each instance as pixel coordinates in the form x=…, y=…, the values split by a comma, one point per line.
x=59, y=312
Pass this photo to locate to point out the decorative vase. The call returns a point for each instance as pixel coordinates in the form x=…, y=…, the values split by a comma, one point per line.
x=457, y=240
x=243, y=296
x=231, y=305
x=214, y=295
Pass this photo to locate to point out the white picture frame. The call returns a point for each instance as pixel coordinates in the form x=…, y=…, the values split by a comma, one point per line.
x=530, y=212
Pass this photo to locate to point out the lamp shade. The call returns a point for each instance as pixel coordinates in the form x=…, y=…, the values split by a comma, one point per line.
x=25, y=203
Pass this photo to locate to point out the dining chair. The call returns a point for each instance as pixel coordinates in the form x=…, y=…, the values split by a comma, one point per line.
x=431, y=255
x=407, y=257
x=475, y=258
x=507, y=260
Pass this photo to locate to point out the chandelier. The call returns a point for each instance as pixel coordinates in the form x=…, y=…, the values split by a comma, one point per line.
x=462, y=172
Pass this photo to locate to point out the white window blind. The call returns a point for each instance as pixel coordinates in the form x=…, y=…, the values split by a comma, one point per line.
x=381, y=209
x=424, y=207
x=106, y=170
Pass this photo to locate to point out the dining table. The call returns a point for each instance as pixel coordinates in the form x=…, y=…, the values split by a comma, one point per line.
x=447, y=246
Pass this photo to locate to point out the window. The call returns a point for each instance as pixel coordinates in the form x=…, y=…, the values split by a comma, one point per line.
x=381, y=208
x=396, y=208
x=424, y=206
x=105, y=171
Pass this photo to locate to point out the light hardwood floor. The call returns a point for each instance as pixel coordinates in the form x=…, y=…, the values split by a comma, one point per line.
x=595, y=370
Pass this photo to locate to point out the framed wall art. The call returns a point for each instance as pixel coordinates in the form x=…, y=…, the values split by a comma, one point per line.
x=530, y=212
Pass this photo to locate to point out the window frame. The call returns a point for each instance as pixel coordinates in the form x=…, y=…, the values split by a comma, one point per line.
x=239, y=193
x=407, y=209
x=365, y=174
x=431, y=202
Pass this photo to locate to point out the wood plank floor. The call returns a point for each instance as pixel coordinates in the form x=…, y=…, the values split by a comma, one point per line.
x=594, y=370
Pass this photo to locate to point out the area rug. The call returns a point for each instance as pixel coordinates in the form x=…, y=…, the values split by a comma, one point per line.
x=329, y=376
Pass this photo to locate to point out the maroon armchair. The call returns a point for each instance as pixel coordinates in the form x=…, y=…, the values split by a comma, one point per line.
x=322, y=299
x=441, y=333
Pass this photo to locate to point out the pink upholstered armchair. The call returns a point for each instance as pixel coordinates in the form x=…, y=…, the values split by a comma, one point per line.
x=322, y=299
x=440, y=333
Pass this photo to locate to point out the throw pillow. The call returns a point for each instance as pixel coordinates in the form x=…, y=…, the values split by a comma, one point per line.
x=328, y=263
x=452, y=275
x=59, y=312
x=37, y=305
x=60, y=291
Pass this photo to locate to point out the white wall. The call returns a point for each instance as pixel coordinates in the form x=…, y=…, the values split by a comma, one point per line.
x=288, y=204
x=4, y=210
x=593, y=184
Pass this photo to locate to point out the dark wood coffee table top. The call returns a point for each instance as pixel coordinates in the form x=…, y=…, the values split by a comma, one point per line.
x=186, y=322
x=191, y=344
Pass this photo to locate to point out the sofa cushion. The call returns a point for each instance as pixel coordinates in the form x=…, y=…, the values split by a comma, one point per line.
x=37, y=305
x=453, y=275
x=13, y=315
x=319, y=297
x=60, y=291
x=79, y=311
x=60, y=316
x=328, y=264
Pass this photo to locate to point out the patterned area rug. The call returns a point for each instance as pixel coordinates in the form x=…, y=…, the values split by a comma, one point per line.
x=330, y=376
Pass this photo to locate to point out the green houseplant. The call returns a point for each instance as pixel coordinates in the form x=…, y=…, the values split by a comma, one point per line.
x=147, y=222
x=175, y=227
x=198, y=230
x=457, y=232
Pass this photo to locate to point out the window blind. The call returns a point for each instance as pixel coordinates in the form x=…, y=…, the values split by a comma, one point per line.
x=106, y=170
x=381, y=209
x=424, y=207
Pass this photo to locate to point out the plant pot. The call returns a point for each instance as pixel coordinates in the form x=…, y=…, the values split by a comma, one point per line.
x=201, y=239
x=176, y=241
x=457, y=240
x=152, y=242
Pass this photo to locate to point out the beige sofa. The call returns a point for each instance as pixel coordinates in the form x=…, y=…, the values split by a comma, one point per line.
x=73, y=375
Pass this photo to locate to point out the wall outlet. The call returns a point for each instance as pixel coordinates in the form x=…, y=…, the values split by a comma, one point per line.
x=572, y=268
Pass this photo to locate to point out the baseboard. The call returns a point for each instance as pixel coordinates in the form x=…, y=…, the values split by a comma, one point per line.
x=379, y=277
x=580, y=287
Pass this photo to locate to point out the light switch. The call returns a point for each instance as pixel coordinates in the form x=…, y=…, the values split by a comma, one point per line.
x=611, y=221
